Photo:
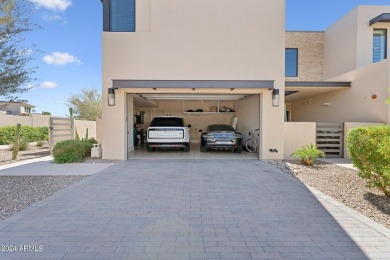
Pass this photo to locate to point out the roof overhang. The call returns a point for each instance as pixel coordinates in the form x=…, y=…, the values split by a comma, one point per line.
x=383, y=18
x=299, y=90
x=317, y=84
x=194, y=84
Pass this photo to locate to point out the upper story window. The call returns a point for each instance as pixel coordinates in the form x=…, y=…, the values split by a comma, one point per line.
x=122, y=15
x=379, y=45
x=291, y=65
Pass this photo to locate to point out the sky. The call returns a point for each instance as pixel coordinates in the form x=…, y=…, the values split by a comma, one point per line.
x=70, y=43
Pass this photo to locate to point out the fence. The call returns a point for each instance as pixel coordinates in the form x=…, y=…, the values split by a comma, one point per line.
x=36, y=120
x=330, y=139
x=60, y=129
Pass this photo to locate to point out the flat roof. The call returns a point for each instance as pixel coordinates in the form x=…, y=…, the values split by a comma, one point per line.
x=383, y=18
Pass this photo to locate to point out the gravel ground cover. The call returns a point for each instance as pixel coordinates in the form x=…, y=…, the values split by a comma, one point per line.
x=31, y=153
x=19, y=192
x=344, y=185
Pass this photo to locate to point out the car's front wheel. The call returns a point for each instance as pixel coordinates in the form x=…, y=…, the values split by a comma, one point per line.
x=203, y=149
x=238, y=149
x=149, y=148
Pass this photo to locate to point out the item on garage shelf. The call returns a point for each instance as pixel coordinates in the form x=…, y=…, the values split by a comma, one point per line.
x=199, y=110
x=222, y=109
x=213, y=109
x=190, y=110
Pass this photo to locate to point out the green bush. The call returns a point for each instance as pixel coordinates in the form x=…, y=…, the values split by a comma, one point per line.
x=308, y=154
x=88, y=144
x=7, y=134
x=29, y=133
x=69, y=151
x=40, y=144
x=369, y=150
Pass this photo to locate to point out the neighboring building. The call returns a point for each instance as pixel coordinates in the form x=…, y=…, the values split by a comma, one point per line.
x=353, y=51
x=15, y=108
x=169, y=57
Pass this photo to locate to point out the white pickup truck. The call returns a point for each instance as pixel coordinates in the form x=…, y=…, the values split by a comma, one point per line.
x=168, y=132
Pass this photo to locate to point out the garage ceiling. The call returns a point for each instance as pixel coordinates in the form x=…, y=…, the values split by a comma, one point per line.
x=144, y=103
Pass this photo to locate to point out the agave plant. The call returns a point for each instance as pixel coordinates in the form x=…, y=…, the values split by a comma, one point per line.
x=308, y=154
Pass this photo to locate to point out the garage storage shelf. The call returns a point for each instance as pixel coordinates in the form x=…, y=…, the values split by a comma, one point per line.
x=207, y=113
x=207, y=105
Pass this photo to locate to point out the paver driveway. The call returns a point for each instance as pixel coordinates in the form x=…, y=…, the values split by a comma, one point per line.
x=180, y=209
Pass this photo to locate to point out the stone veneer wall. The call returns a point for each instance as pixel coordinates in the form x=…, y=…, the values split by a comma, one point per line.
x=310, y=47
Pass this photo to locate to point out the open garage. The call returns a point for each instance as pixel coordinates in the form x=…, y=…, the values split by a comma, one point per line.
x=241, y=111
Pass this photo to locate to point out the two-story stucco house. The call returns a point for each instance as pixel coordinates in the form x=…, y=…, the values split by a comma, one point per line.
x=15, y=108
x=174, y=57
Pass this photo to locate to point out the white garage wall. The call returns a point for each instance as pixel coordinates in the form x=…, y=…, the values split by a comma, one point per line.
x=248, y=113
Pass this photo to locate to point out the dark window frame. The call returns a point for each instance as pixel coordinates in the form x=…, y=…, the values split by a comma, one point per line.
x=385, y=43
x=296, y=63
x=107, y=25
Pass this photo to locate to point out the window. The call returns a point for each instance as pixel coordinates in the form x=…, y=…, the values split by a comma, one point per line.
x=379, y=45
x=291, y=69
x=122, y=16
x=27, y=110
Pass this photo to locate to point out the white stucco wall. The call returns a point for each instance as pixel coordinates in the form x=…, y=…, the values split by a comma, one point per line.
x=349, y=41
x=296, y=135
x=198, y=40
x=355, y=104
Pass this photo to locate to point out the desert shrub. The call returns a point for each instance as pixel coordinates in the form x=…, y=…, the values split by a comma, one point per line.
x=88, y=144
x=369, y=150
x=29, y=133
x=40, y=144
x=308, y=154
x=69, y=151
x=7, y=134
x=43, y=133
x=23, y=144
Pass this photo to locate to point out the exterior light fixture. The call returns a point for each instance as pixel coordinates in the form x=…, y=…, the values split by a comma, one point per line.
x=111, y=97
x=275, y=97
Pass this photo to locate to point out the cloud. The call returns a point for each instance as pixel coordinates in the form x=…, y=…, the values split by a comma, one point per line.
x=53, y=18
x=54, y=5
x=60, y=59
x=48, y=84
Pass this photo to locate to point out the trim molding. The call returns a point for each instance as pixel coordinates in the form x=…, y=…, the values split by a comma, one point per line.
x=232, y=84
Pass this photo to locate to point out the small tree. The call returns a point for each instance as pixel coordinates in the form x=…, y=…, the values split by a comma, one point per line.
x=15, y=71
x=87, y=105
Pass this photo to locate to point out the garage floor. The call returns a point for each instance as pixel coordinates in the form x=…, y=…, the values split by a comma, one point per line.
x=140, y=152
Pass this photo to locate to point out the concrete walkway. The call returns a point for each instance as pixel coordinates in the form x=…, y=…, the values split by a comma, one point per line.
x=192, y=209
x=45, y=166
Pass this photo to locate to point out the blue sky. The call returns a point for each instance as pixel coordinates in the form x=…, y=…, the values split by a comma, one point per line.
x=70, y=43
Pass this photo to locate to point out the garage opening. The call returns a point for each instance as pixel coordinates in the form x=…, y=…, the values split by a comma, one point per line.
x=241, y=111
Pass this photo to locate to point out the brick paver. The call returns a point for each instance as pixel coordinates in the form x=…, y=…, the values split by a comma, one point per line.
x=181, y=209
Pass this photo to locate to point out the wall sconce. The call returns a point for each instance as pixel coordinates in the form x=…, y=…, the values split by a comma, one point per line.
x=111, y=97
x=275, y=97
